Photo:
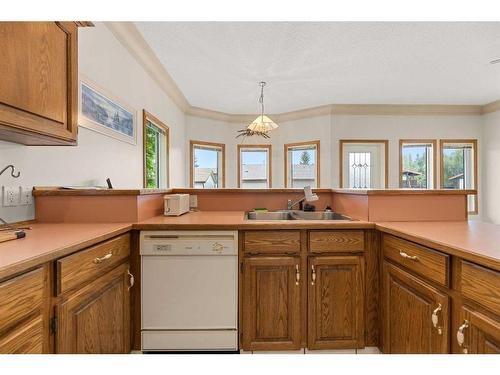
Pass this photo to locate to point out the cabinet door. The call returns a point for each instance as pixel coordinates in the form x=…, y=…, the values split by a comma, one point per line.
x=271, y=303
x=96, y=318
x=408, y=306
x=38, y=94
x=26, y=339
x=478, y=334
x=335, y=302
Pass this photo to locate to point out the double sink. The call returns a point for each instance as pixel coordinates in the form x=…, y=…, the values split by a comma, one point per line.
x=295, y=215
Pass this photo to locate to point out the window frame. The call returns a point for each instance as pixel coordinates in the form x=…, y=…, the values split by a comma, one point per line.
x=315, y=143
x=221, y=146
x=385, y=142
x=422, y=142
x=147, y=116
x=269, y=162
x=442, y=143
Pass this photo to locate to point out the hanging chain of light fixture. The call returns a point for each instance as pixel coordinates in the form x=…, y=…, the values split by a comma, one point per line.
x=262, y=124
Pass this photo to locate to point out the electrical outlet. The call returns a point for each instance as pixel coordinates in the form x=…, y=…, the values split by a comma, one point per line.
x=11, y=196
x=26, y=195
x=193, y=201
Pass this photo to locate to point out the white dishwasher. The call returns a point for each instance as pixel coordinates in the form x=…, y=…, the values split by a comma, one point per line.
x=189, y=290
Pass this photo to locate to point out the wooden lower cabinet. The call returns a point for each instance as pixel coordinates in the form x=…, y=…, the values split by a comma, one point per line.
x=271, y=318
x=336, y=302
x=408, y=306
x=96, y=318
x=478, y=333
x=26, y=339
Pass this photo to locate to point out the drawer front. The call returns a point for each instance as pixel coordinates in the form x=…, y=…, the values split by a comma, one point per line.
x=20, y=297
x=336, y=241
x=88, y=264
x=272, y=242
x=27, y=339
x=426, y=262
x=481, y=285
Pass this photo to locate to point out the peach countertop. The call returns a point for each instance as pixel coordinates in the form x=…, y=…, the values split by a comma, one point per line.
x=45, y=242
x=474, y=241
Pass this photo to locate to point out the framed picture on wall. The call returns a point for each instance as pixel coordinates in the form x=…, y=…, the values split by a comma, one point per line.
x=104, y=113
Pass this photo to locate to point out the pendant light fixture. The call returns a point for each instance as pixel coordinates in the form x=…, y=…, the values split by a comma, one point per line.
x=262, y=124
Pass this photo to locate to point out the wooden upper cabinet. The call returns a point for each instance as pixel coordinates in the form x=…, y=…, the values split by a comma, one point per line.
x=336, y=302
x=477, y=333
x=408, y=306
x=96, y=318
x=271, y=303
x=39, y=89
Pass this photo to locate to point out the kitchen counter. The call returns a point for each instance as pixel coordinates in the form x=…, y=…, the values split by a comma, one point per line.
x=233, y=220
x=45, y=242
x=471, y=240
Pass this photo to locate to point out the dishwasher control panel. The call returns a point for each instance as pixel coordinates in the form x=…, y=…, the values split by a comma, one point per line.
x=189, y=243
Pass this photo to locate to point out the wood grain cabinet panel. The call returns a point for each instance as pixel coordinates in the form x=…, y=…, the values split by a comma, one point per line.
x=408, y=304
x=75, y=269
x=344, y=241
x=96, y=318
x=481, y=333
x=426, y=262
x=336, y=302
x=27, y=339
x=21, y=297
x=272, y=242
x=38, y=94
x=481, y=285
x=271, y=303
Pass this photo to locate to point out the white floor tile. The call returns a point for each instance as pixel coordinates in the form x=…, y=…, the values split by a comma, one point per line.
x=369, y=350
x=338, y=351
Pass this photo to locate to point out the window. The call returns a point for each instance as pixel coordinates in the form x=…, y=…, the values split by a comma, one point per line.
x=417, y=164
x=155, y=151
x=254, y=166
x=459, y=167
x=363, y=164
x=207, y=165
x=302, y=165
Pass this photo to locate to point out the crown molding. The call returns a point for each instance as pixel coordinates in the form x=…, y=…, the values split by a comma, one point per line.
x=128, y=35
x=491, y=107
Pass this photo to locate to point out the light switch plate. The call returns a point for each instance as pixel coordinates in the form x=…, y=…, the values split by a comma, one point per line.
x=193, y=201
x=10, y=196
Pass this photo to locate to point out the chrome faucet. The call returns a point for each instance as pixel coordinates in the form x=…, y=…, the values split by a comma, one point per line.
x=309, y=196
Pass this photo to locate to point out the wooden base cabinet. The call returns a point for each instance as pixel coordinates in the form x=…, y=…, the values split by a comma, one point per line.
x=415, y=314
x=96, y=318
x=336, y=302
x=478, y=333
x=271, y=303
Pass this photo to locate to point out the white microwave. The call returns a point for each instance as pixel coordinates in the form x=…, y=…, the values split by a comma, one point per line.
x=176, y=204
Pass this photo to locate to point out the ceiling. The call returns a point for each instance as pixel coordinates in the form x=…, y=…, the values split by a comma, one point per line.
x=218, y=65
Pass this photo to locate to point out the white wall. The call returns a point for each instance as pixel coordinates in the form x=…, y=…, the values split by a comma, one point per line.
x=106, y=62
x=491, y=167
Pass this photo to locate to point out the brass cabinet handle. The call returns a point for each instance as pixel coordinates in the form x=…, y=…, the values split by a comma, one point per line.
x=435, y=319
x=313, y=275
x=132, y=280
x=102, y=259
x=297, y=274
x=406, y=256
x=461, y=335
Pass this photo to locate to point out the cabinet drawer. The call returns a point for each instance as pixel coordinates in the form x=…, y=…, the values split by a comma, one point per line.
x=336, y=241
x=88, y=264
x=481, y=285
x=27, y=339
x=21, y=297
x=429, y=263
x=272, y=242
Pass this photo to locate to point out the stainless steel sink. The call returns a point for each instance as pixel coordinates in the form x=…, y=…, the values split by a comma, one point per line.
x=295, y=215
